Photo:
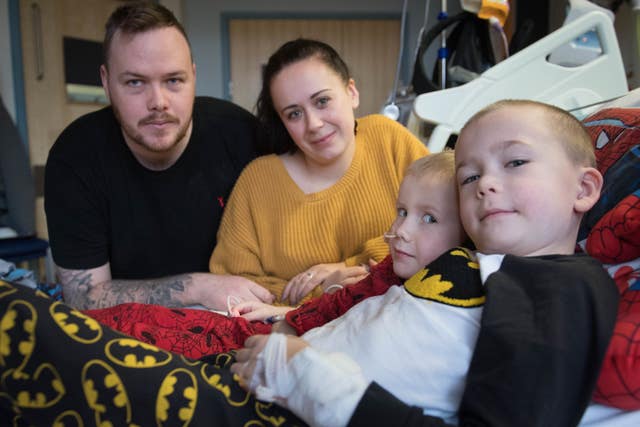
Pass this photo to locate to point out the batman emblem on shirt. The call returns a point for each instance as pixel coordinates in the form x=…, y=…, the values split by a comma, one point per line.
x=75, y=324
x=452, y=279
x=135, y=354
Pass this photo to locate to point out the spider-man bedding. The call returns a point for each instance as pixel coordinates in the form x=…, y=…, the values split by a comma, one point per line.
x=610, y=233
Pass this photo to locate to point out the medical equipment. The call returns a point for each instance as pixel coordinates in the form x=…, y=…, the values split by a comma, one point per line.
x=389, y=236
x=528, y=74
x=487, y=9
x=390, y=109
x=443, y=52
x=469, y=51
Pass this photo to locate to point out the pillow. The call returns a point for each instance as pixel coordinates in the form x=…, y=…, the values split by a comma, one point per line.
x=616, y=135
x=610, y=232
x=619, y=381
x=616, y=236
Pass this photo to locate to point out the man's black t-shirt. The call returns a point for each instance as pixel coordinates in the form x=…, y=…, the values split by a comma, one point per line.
x=103, y=206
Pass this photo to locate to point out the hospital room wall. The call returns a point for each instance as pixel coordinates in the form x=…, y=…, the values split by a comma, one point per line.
x=203, y=21
x=625, y=24
x=7, y=79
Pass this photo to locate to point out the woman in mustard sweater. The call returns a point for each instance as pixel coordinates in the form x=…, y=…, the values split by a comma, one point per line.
x=290, y=221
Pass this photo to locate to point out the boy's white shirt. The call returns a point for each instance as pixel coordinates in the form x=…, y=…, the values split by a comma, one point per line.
x=488, y=264
x=323, y=387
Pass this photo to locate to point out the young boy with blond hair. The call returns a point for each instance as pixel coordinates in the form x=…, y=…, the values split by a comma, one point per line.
x=426, y=225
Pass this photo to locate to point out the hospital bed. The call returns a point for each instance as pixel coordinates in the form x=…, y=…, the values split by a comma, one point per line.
x=587, y=90
x=529, y=74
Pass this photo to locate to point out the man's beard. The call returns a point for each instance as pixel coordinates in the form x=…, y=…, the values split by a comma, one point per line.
x=138, y=138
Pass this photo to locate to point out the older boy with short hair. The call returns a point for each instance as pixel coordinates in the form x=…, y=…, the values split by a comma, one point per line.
x=525, y=174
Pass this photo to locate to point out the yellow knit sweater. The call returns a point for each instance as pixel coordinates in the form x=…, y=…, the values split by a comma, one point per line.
x=271, y=230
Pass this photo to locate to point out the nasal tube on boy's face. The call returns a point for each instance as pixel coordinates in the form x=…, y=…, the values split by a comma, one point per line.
x=388, y=236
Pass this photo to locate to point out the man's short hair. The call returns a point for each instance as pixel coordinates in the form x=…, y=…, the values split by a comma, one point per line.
x=138, y=17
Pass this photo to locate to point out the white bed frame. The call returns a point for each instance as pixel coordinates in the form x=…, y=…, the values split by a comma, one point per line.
x=529, y=75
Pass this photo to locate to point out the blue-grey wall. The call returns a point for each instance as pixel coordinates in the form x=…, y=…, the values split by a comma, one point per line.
x=203, y=22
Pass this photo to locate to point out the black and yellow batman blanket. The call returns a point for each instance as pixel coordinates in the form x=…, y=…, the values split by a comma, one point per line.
x=545, y=327
x=61, y=367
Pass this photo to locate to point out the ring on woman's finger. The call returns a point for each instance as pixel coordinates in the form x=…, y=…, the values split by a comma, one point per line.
x=309, y=275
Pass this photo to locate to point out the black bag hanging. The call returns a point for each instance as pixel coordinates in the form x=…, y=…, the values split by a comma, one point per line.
x=468, y=45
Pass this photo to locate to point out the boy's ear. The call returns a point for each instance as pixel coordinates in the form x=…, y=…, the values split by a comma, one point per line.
x=589, y=193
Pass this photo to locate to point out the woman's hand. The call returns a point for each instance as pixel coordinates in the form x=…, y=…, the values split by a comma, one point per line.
x=300, y=285
x=346, y=276
x=256, y=310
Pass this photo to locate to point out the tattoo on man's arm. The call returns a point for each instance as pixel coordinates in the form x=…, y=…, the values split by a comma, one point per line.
x=167, y=291
x=81, y=282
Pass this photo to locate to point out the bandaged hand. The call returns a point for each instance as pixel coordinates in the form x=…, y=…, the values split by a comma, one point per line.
x=321, y=388
x=262, y=365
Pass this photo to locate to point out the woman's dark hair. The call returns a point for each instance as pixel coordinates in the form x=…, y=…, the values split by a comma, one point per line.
x=138, y=17
x=276, y=139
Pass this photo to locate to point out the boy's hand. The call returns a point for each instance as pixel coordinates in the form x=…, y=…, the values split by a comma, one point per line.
x=256, y=310
x=284, y=328
x=247, y=357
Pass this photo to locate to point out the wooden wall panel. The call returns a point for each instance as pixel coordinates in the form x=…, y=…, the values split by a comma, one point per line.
x=370, y=48
x=43, y=25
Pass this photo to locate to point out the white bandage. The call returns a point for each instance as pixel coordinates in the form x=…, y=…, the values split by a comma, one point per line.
x=271, y=380
x=322, y=389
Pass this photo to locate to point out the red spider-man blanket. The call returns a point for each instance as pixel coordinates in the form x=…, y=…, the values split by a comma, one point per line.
x=611, y=233
x=197, y=333
x=193, y=333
